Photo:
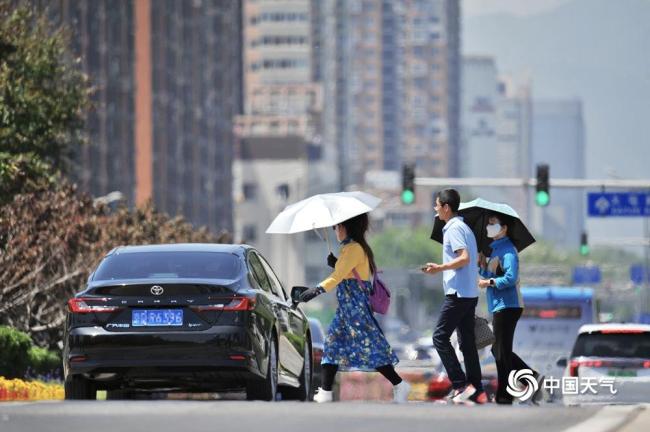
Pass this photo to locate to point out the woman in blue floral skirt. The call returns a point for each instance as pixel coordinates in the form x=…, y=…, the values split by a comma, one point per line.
x=354, y=339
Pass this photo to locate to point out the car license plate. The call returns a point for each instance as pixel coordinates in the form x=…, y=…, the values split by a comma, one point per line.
x=157, y=317
x=621, y=373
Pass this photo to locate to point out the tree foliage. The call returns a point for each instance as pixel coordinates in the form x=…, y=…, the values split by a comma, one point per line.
x=405, y=247
x=50, y=240
x=43, y=96
x=23, y=173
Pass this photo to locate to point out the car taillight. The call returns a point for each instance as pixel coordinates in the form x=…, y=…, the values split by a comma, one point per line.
x=646, y=364
x=232, y=304
x=575, y=364
x=90, y=305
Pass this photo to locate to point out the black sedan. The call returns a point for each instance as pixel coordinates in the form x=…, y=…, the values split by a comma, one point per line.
x=186, y=317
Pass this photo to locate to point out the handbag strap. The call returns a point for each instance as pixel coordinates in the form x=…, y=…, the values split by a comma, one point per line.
x=372, y=315
x=358, y=277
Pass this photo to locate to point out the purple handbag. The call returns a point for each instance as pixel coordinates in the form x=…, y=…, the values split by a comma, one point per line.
x=379, y=293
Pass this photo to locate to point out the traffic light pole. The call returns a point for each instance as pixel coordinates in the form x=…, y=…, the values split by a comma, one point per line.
x=532, y=182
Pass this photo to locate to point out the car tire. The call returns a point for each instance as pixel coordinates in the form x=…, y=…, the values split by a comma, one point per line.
x=304, y=392
x=119, y=395
x=79, y=388
x=265, y=389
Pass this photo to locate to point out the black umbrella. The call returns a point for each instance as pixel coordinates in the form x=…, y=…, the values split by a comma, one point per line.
x=476, y=213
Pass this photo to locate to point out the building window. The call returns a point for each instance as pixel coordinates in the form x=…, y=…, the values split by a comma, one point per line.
x=250, y=191
x=279, y=17
x=292, y=127
x=283, y=191
x=250, y=233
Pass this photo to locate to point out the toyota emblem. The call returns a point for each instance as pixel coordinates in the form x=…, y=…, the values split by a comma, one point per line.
x=157, y=290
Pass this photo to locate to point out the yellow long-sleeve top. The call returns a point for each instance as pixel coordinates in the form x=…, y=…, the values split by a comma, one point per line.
x=352, y=256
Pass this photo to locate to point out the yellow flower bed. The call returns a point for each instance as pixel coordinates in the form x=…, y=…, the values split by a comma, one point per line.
x=19, y=390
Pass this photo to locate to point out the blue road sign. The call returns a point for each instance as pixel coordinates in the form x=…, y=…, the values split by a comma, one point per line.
x=639, y=274
x=618, y=204
x=586, y=275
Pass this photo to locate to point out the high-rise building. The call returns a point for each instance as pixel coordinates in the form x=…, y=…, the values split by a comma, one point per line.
x=514, y=138
x=479, y=117
x=167, y=79
x=496, y=125
x=280, y=96
x=391, y=74
x=559, y=141
x=280, y=156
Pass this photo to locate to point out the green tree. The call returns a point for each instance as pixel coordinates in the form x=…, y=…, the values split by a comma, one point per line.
x=43, y=95
x=23, y=173
x=50, y=241
x=405, y=247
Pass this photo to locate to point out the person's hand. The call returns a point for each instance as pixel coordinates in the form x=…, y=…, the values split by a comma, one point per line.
x=331, y=260
x=432, y=268
x=483, y=283
x=310, y=294
x=482, y=261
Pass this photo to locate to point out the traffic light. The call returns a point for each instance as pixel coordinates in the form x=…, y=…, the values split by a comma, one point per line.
x=584, y=244
x=408, y=184
x=542, y=195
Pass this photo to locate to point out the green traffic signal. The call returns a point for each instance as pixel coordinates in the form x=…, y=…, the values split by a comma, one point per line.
x=584, y=244
x=408, y=184
x=408, y=197
x=542, y=186
x=542, y=198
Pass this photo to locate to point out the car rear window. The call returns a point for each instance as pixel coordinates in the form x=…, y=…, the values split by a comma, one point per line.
x=629, y=345
x=168, y=265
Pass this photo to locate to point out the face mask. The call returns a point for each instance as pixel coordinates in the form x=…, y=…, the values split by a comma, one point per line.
x=493, y=230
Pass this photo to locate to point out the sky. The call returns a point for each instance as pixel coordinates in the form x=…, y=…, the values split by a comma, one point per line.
x=515, y=7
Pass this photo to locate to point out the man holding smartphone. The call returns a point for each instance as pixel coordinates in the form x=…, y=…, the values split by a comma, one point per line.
x=459, y=269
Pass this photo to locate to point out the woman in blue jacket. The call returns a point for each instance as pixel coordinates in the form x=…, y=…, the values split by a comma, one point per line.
x=500, y=277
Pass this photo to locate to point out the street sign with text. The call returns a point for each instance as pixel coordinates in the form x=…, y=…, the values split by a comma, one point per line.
x=639, y=274
x=585, y=275
x=601, y=204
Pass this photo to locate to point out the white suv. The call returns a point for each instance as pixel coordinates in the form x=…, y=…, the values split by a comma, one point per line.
x=603, y=353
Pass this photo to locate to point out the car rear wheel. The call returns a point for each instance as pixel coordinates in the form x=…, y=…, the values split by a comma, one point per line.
x=267, y=388
x=79, y=388
x=120, y=395
x=304, y=392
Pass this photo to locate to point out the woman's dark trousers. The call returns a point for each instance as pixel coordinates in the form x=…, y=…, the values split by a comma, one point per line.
x=504, y=323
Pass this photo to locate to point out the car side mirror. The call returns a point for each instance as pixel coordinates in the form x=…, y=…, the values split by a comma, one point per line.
x=561, y=362
x=296, y=292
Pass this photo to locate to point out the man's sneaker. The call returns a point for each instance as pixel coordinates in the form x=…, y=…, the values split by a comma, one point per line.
x=479, y=397
x=462, y=395
x=323, y=396
x=401, y=392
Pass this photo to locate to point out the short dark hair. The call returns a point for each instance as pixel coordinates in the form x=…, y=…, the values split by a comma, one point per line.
x=503, y=219
x=450, y=197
